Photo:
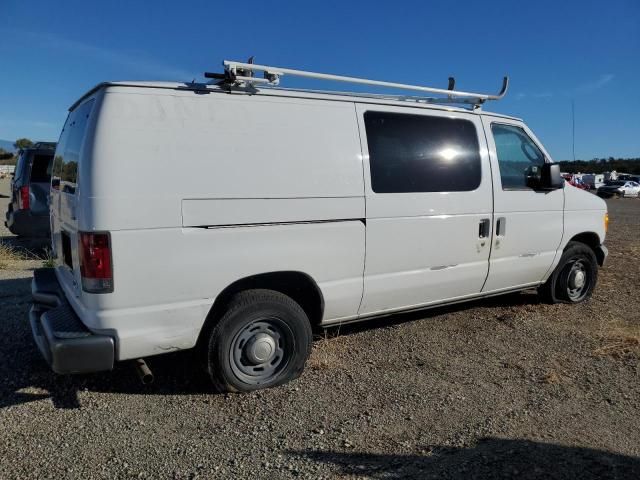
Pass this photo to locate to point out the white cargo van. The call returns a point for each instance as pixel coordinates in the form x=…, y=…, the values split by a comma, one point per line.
x=235, y=217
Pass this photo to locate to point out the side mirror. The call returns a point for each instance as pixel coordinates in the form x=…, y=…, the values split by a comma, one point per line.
x=545, y=177
x=551, y=178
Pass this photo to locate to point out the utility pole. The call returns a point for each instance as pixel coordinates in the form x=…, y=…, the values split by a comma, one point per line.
x=573, y=128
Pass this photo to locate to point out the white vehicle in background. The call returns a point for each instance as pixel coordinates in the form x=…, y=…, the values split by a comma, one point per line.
x=593, y=180
x=292, y=209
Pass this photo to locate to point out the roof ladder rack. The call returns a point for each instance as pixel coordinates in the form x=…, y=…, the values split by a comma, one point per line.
x=242, y=74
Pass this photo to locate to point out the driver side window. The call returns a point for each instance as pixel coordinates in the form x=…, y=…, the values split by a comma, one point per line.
x=518, y=156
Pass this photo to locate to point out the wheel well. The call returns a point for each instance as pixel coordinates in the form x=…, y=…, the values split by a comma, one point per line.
x=297, y=285
x=590, y=239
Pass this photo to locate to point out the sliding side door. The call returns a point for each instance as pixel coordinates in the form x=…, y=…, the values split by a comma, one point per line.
x=428, y=206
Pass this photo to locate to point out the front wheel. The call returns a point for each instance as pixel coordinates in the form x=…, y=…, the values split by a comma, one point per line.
x=574, y=278
x=262, y=340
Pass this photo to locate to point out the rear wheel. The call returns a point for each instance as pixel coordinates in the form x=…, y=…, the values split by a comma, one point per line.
x=262, y=340
x=574, y=278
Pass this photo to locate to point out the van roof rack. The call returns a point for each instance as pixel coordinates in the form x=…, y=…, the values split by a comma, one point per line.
x=242, y=74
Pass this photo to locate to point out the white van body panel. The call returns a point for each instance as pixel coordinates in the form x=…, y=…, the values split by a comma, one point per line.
x=162, y=160
x=583, y=213
x=163, y=306
x=197, y=147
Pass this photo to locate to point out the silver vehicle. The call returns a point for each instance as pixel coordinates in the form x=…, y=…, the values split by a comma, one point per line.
x=28, y=211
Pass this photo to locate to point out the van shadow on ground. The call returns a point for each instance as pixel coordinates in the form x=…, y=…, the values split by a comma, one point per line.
x=490, y=458
x=25, y=377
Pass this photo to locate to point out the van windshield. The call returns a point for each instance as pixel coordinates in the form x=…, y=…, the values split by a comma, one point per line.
x=67, y=156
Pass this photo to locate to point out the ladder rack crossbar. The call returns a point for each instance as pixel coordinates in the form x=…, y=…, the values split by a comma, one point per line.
x=237, y=71
x=389, y=96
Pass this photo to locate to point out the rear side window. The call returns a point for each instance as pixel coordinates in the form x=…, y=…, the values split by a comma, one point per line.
x=41, y=168
x=20, y=165
x=517, y=154
x=419, y=153
x=67, y=156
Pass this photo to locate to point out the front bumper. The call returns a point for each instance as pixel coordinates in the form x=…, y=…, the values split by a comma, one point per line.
x=65, y=343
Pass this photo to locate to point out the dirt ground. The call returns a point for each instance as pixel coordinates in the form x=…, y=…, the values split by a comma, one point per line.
x=501, y=388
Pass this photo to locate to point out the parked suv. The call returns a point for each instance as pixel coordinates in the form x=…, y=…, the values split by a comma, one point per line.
x=28, y=211
x=233, y=218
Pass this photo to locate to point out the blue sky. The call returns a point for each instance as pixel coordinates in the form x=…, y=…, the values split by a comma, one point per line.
x=555, y=52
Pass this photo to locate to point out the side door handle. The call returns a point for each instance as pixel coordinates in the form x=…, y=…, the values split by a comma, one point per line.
x=501, y=227
x=484, y=229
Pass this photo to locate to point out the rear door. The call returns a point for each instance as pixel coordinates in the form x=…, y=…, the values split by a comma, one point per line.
x=428, y=206
x=65, y=192
x=40, y=182
x=528, y=223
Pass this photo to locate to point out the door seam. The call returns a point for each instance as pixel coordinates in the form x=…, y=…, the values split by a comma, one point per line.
x=493, y=206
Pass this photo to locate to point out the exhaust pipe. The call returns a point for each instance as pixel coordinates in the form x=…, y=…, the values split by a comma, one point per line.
x=145, y=374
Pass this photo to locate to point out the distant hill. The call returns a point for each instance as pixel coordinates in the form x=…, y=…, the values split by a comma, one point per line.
x=7, y=146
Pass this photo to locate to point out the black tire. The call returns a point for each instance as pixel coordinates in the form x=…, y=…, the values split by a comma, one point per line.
x=7, y=215
x=574, y=278
x=258, y=325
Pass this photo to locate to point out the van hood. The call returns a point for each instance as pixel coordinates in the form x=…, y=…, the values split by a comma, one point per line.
x=577, y=199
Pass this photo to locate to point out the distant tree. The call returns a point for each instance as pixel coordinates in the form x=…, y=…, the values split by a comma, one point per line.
x=626, y=165
x=7, y=158
x=4, y=155
x=23, y=143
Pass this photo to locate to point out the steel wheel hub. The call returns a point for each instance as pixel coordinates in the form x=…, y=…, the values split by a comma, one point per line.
x=577, y=279
x=260, y=348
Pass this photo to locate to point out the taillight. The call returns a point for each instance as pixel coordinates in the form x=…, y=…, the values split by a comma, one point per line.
x=23, y=198
x=95, y=262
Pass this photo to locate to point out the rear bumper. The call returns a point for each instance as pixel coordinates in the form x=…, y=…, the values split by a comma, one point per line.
x=65, y=343
x=24, y=223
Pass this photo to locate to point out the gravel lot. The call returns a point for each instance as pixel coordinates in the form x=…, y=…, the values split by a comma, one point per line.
x=500, y=388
